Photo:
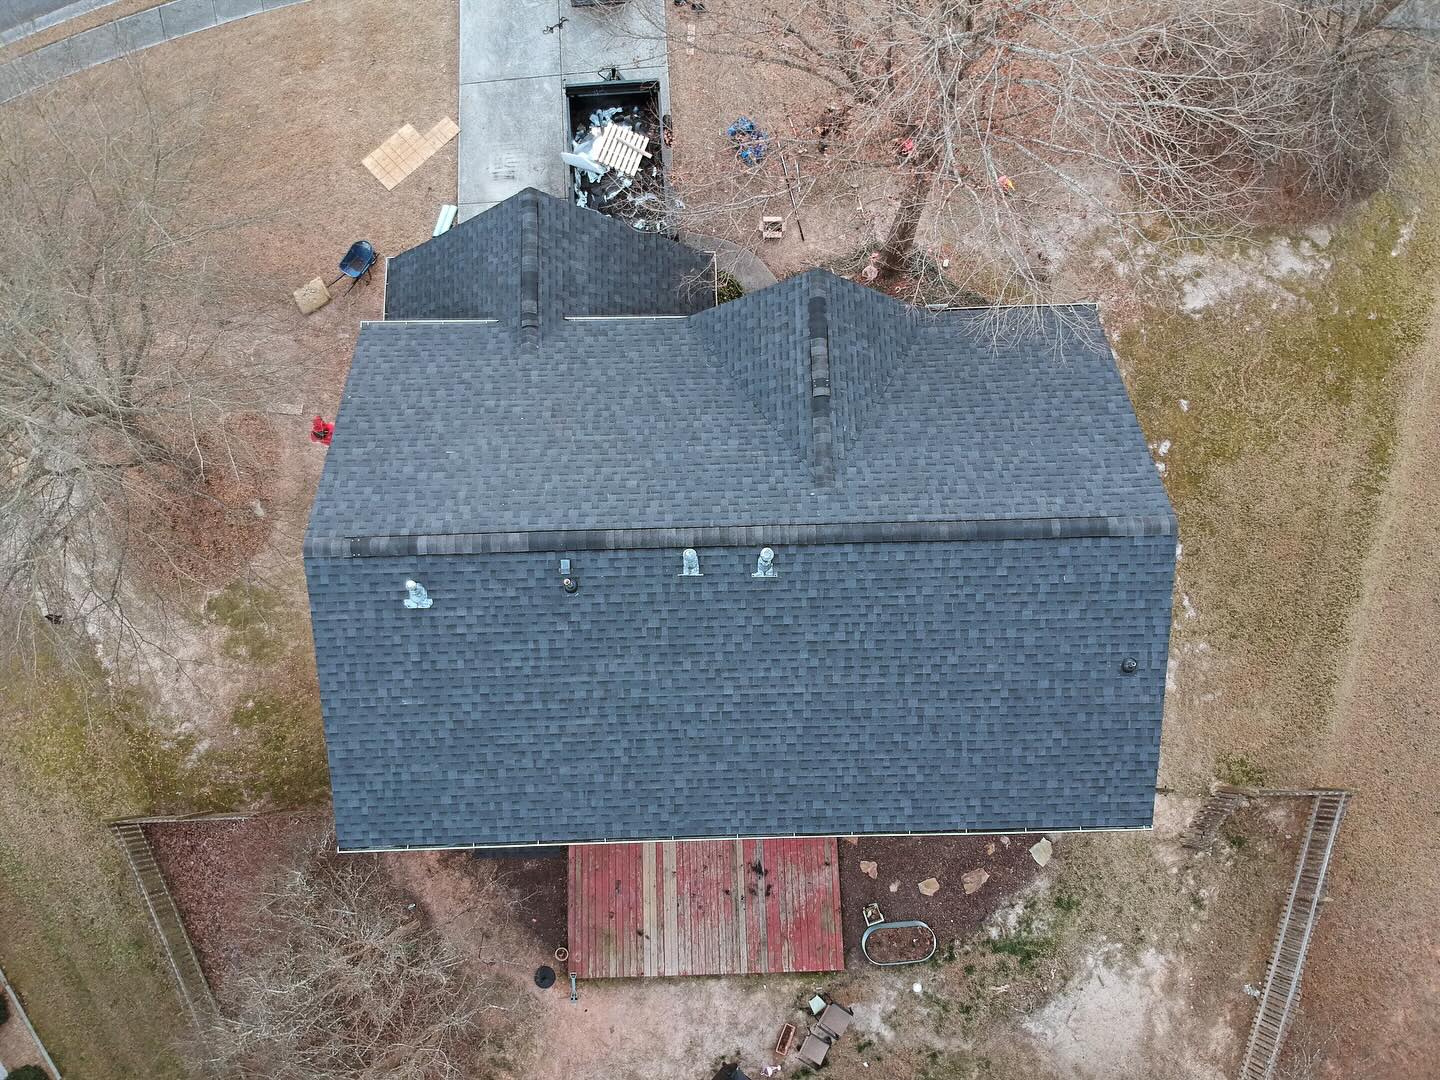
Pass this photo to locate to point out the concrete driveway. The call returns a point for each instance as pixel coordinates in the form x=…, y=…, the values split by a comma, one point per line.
x=513, y=75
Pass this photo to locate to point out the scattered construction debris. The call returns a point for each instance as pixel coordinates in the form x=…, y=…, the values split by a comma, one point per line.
x=405, y=151
x=446, y=219
x=928, y=887
x=972, y=880
x=614, y=169
x=751, y=144
x=772, y=228
x=869, y=869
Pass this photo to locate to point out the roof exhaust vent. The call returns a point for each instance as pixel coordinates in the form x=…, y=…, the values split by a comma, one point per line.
x=418, y=598
x=765, y=565
x=690, y=563
x=1128, y=665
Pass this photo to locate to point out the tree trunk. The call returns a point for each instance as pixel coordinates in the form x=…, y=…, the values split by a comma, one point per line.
x=898, y=248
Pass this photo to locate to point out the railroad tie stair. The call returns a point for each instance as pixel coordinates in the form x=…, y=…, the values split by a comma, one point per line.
x=1205, y=826
x=1281, y=992
x=194, y=990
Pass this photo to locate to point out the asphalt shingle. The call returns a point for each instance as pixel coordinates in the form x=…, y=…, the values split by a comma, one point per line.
x=956, y=591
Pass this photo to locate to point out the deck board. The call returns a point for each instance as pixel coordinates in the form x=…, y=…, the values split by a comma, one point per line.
x=701, y=908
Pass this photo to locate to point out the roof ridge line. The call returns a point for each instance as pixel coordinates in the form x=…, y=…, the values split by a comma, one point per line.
x=509, y=541
x=822, y=427
x=530, y=267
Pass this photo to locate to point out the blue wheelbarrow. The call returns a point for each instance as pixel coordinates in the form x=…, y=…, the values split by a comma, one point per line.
x=357, y=263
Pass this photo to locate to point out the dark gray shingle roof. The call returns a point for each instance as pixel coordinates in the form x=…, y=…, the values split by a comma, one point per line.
x=597, y=265
x=970, y=538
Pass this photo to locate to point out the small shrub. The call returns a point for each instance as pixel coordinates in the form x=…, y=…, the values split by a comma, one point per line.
x=728, y=287
x=4, y=1007
x=1067, y=902
x=28, y=1072
x=1239, y=771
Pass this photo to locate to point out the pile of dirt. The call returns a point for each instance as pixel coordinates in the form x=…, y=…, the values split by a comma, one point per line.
x=905, y=861
x=217, y=872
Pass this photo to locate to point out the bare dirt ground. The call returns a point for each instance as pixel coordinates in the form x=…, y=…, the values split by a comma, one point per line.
x=1372, y=996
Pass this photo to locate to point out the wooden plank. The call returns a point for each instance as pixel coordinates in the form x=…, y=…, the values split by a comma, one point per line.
x=699, y=907
x=738, y=908
x=647, y=899
x=670, y=884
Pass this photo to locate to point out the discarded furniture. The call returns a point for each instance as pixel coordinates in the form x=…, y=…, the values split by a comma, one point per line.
x=897, y=925
x=813, y=1050
x=772, y=228
x=312, y=296
x=621, y=149
x=835, y=1020
x=357, y=263
x=785, y=1041
x=446, y=219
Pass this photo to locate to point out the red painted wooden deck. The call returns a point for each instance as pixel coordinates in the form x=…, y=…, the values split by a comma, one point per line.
x=699, y=907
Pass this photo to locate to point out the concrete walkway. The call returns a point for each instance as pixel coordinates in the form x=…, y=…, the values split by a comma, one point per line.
x=112, y=40
x=513, y=77
x=21, y=18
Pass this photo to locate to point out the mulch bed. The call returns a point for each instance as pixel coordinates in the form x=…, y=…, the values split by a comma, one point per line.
x=216, y=871
x=909, y=860
x=540, y=887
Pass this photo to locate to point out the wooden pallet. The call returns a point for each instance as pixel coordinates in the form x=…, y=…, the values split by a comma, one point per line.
x=1281, y=992
x=621, y=149
x=194, y=991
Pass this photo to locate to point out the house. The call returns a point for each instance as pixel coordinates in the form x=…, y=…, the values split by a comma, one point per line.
x=593, y=559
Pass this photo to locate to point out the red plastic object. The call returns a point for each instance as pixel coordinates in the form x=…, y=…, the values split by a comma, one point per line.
x=322, y=431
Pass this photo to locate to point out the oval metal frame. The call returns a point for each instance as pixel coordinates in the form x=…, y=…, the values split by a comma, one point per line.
x=900, y=924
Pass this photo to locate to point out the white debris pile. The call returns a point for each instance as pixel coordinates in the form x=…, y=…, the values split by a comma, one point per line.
x=633, y=195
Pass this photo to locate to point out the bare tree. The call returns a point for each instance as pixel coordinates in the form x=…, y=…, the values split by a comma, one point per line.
x=985, y=116
x=345, y=980
x=126, y=398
